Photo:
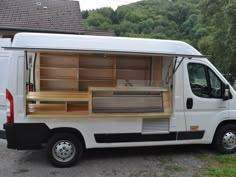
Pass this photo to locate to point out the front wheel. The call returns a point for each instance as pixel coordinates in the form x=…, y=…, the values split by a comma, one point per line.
x=64, y=150
x=225, y=139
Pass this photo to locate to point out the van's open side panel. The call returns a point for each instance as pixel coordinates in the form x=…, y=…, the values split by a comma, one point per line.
x=90, y=84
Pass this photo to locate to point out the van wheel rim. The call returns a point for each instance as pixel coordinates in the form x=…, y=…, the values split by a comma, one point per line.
x=63, y=151
x=229, y=140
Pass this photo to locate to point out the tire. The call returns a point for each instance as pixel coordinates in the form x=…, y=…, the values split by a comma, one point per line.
x=64, y=150
x=225, y=139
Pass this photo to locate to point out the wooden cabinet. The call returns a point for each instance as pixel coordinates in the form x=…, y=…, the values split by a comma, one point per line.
x=78, y=72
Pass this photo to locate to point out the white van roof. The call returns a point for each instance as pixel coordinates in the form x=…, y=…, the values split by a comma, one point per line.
x=86, y=43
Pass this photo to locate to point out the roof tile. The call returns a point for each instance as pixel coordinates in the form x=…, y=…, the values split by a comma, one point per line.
x=61, y=16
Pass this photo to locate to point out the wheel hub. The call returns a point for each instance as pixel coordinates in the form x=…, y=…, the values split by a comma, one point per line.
x=229, y=140
x=63, y=151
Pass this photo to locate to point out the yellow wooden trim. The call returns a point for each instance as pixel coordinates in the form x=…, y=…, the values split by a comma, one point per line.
x=80, y=114
x=58, y=96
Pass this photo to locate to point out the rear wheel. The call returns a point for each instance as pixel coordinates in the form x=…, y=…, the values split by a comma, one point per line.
x=64, y=150
x=225, y=139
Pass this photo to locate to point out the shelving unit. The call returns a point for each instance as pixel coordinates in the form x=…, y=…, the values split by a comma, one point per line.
x=54, y=102
x=58, y=72
x=63, y=83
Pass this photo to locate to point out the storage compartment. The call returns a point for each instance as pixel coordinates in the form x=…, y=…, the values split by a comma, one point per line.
x=77, y=107
x=59, y=61
x=58, y=84
x=56, y=103
x=82, y=84
x=46, y=107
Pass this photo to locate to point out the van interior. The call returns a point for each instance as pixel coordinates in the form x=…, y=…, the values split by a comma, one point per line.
x=98, y=84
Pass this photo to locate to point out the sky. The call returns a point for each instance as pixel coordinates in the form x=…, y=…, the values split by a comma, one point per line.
x=94, y=4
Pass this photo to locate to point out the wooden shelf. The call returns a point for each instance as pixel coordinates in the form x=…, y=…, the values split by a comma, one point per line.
x=60, y=78
x=95, y=79
x=45, y=103
x=58, y=67
x=96, y=68
x=137, y=69
x=97, y=115
x=57, y=96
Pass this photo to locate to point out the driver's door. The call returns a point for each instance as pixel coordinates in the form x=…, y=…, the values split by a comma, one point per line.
x=202, y=96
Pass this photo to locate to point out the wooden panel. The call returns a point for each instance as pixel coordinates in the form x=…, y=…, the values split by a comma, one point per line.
x=57, y=96
x=95, y=62
x=59, y=61
x=166, y=102
x=133, y=68
x=42, y=108
x=157, y=68
x=131, y=74
x=59, y=73
x=77, y=106
x=95, y=74
x=97, y=115
x=136, y=64
x=47, y=85
x=114, y=71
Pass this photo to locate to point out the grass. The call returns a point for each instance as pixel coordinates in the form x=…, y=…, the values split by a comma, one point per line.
x=218, y=165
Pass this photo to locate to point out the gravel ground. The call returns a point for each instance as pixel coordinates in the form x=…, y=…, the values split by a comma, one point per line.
x=124, y=162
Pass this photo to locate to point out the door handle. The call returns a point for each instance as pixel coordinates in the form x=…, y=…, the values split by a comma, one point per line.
x=189, y=103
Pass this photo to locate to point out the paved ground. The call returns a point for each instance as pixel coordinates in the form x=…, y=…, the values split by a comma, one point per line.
x=125, y=162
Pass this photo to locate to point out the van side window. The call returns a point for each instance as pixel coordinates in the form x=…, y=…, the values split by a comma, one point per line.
x=198, y=80
x=215, y=85
x=203, y=81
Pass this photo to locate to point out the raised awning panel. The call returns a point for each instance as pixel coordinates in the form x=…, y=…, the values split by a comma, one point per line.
x=105, y=52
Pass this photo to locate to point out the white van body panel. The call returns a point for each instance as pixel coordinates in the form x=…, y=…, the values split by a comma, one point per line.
x=207, y=113
x=101, y=43
x=4, y=59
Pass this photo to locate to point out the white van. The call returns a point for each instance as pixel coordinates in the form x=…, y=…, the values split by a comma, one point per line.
x=4, y=57
x=101, y=92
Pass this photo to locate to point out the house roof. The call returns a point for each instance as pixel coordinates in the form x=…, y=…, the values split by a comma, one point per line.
x=56, y=16
x=97, y=44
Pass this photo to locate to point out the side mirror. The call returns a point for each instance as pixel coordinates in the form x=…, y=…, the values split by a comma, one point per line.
x=226, y=92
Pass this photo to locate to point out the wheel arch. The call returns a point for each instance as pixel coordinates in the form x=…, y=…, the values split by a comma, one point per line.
x=221, y=124
x=70, y=130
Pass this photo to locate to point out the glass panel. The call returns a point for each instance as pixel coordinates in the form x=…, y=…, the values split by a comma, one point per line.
x=198, y=81
x=215, y=85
